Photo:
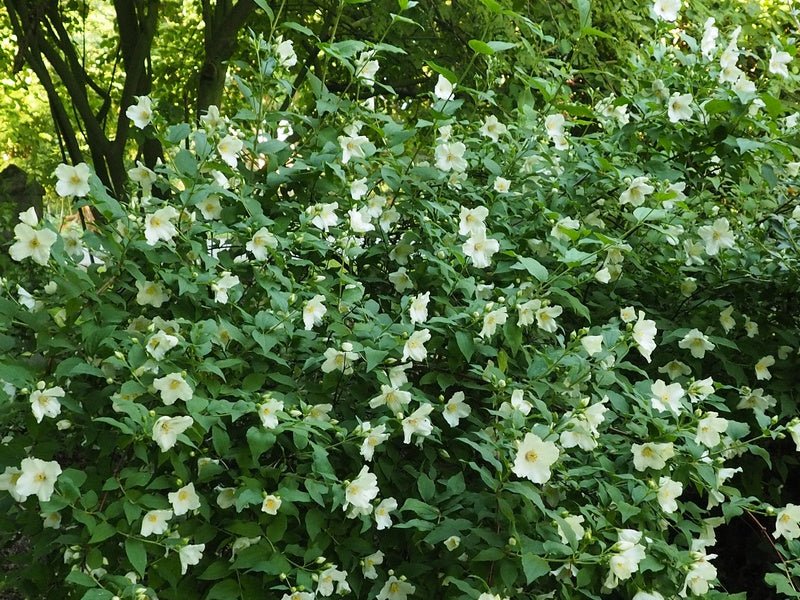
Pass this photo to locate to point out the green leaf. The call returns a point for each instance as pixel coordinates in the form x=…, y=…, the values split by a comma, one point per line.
x=465, y=344
x=500, y=46
x=532, y=266
x=103, y=531
x=136, y=554
x=426, y=487
x=263, y=5
x=443, y=71
x=481, y=47
x=493, y=6
x=259, y=441
x=534, y=566
x=584, y=14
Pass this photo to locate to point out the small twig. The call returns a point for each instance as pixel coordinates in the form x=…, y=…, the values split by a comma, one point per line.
x=766, y=534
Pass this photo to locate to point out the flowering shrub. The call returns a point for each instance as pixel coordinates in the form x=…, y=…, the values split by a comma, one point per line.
x=479, y=353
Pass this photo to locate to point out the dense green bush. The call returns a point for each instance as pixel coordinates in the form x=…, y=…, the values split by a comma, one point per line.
x=528, y=343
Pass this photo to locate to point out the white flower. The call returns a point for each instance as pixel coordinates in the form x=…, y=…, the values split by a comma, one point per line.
x=374, y=438
x=51, y=520
x=450, y=157
x=726, y=320
x=72, y=181
x=668, y=492
x=210, y=208
x=794, y=431
x=395, y=399
x=652, y=455
x=313, y=311
x=675, y=369
x=554, y=125
x=418, y=308
x=534, y=458
x=228, y=147
x=563, y=226
x=492, y=128
x=700, y=574
x=339, y=360
x=395, y=589
x=323, y=215
x=369, y=562
x=701, y=389
x=666, y=397
x=190, y=555
x=155, y=522
x=786, y=523
x=140, y=113
x=717, y=236
x=284, y=52
x=44, y=403
x=226, y=497
x=223, y=285
x=480, y=249
x=762, y=367
x=8, y=483
x=414, y=348
x=37, y=477
x=150, y=293
x=352, y=147
x=778, y=62
x=456, y=409
x=184, y=500
x=492, y=319
x=574, y=522
x=167, y=429
x=173, y=387
x=330, y=577
x=359, y=188
x=32, y=243
x=366, y=68
x=626, y=561
x=756, y=400
x=637, y=192
x=299, y=596
x=160, y=343
x=709, y=429
x=680, y=107
x=262, y=242
x=642, y=595
x=501, y=185
x=472, y=220
x=546, y=318
x=360, y=221
x=382, y=518
x=362, y=490
x=750, y=327
x=159, y=226
x=401, y=280
x=452, y=542
x=443, y=89
x=212, y=119
x=268, y=412
x=418, y=423
x=667, y=9
x=710, y=34
x=628, y=315
x=271, y=504
x=697, y=343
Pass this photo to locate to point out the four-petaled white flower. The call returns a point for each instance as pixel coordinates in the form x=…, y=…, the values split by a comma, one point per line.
x=313, y=311
x=709, y=429
x=491, y=320
x=593, y=344
x=223, y=285
x=184, y=499
x=710, y=34
x=44, y=402
x=395, y=399
x=644, y=335
x=697, y=343
x=284, y=52
x=268, y=412
x=375, y=436
x=150, y=293
x=323, y=216
x=546, y=318
x=37, y=477
x=628, y=554
x=160, y=343
x=667, y=397
x=352, y=147
x=471, y=221
x=72, y=181
x=679, y=107
x=167, y=429
x=32, y=243
x=360, y=492
x=667, y=9
x=456, y=409
x=155, y=522
x=554, y=125
x=331, y=577
x=778, y=62
x=395, y=589
x=637, y=192
x=480, y=249
x=418, y=423
x=787, y=522
x=652, y=455
x=450, y=157
x=271, y=504
x=501, y=185
x=414, y=348
x=534, y=458
x=339, y=360
x=159, y=225
x=369, y=562
x=366, y=68
x=190, y=555
x=418, y=308
x=140, y=113
x=762, y=367
x=173, y=387
x=492, y=128
x=261, y=243
x=443, y=89
x=717, y=236
x=228, y=147
x=382, y=518
x=668, y=492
